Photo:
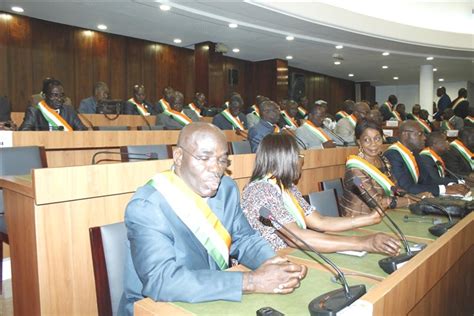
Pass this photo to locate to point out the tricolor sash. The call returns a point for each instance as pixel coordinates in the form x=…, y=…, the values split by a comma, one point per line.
x=456, y=103
x=408, y=158
x=396, y=115
x=302, y=111
x=198, y=217
x=195, y=109
x=290, y=202
x=53, y=117
x=234, y=121
x=288, y=119
x=165, y=106
x=470, y=119
x=317, y=131
x=140, y=107
x=255, y=110
x=352, y=119
x=433, y=155
x=179, y=117
x=464, y=151
x=426, y=127
x=446, y=125
x=389, y=105
x=356, y=162
x=341, y=115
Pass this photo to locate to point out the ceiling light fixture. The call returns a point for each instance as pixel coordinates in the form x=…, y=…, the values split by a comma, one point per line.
x=177, y=41
x=102, y=27
x=384, y=67
x=429, y=58
x=351, y=75
x=385, y=53
x=289, y=57
x=337, y=62
x=339, y=47
x=395, y=78
x=5, y=16
x=236, y=50
x=18, y=9
x=233, y=25
x=165, y=7
x=440, y=79
x=290, y=38
x=88, y=33
x=435, y=69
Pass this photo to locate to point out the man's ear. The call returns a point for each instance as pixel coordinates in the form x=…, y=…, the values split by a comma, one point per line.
x=177, y=156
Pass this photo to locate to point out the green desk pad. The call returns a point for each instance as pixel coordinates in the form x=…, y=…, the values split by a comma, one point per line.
x=316, y=283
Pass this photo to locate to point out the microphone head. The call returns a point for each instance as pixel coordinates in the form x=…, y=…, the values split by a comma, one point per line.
x=265, y=212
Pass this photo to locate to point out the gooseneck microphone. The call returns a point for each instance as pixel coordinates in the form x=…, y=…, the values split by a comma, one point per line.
x=298, y=140
x=329, y=303
x=344, y=143
x=388, y=264
x=135, y=156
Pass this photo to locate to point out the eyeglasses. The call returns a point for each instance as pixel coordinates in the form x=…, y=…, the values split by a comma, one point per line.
x=223, y=162
x=418, y=133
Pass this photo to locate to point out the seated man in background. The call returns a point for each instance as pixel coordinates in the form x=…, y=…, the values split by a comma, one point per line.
x=165, y=102
x=460, y=105
x=303, y=103
x=176, y=117
x=36, y=98
x=253, y=117
x=200, y=106
x=345, y=128
x=232, y=118
x=137, y=105
x=400, y=112
x=184, y=225
x=288, y=115
x=270, y=116
x=451, y=121
x=312, y=134
x=415, y=112
x=347, y=109
x=459, y=158
x=405, y=160
x=100, y=92
x=419, y=115
x=388, y=107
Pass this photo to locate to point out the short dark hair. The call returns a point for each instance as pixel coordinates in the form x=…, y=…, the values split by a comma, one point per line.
x=364, y=124
x=434, y=137
x=50, y=85
x=46, y=82
x=277, y=154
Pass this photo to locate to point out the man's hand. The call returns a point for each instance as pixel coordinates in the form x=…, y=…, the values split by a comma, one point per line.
x=423, y=195
x=457, y=189
x=276, y=275
x=382, y=243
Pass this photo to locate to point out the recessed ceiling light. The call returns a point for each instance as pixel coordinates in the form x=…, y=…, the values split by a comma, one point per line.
x=102, y=27
x=177, y=40
x=339, y=47
x=18, y=9
x=435, y=69
x=337, y=62
x=395, y=78
x=5, y=16
x=233, y=25
x=384, y=67
x=290, y=38
x=165, y=7
x=440, y=79
x=289, y=57
x=351, y=75
x=429, y=58
x=236, y=50
x=385, y=53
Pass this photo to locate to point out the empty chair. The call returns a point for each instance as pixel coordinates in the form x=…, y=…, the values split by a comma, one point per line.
x=325, y=202
x=145, y=152
x=111, y=128
x=109, y=246
x=239, y=147
x=16, y=161
x=333, y=184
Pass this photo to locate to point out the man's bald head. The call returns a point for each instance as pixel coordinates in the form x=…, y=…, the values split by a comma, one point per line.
x=270, y=111
x=412, y=135
x=361, y=110
x=193, y=132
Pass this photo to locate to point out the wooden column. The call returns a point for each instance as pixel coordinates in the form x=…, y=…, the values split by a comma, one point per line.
x=209, y=72
x=270, y=78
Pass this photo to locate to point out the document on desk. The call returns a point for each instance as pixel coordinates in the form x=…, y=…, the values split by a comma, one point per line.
x=6, y=139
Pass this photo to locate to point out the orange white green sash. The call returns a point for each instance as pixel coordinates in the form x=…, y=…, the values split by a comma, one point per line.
x=408, y=158
x=53, y=117
x=302, y=111
x=196, y=214
x=341, y=115
x=470, y=119
x=288, y=119
x=234, y=121
x=290, y=203
x=255, y=110
x=165, y=106
x=464, y=151
x=317, y=131
x=446, y=125
x=389, y=105
x=352, y=119
x=140, y=107
x=456, y=103
x=396, y=115
x=433, y=155
x=195, y=109
x=426, y=127
x=179, y=117
x=356, y=162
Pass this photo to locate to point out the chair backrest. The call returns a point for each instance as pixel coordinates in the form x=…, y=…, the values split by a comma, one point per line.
x=111, y=128
x=19, y=161
x=333, y=184
x=325, y=202
x=240, y=147
x=146, y=152
x=150, y=128
x=108, y=245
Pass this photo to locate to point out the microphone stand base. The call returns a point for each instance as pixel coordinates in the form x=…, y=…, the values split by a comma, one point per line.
x=440, y=229
x=332, y=302
x=391, y=264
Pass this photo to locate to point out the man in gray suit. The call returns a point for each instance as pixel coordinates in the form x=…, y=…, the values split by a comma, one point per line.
x=312, y=134
x=89, y=105
x=178, y=116
x=345, y=128
x=174, y=248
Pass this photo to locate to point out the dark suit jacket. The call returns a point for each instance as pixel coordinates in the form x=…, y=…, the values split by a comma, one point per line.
x=35, y=121
x=428, y=166
x=456, y=163
x=131, y=109
x=220, y=121
x=258, y=132
x=462, y=109
x=404, y=179
x=443, y=103
x=385, y=111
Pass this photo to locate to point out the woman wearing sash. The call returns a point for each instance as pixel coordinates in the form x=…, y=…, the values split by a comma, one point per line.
x=277, y=166
x=372, y=169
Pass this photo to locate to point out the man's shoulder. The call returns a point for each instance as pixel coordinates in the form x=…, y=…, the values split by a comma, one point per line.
x=88, y=100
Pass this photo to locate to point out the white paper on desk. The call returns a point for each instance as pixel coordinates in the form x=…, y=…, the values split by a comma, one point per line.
x=388, y=132
x=391, y=123
x=452, y=133
x=359, y=308
x=6, y=138
x=353, y=253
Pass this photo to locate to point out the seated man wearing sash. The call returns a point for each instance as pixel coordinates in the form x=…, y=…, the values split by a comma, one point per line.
x=232, y=118
x=288, y=115
x=36, y=98
x=347, y=109
x=345, y=128
x=270, y=115
x=253, y=117
x=51, y=114
x=200, y=106
x=176, y=117
x=388, y=107
x=277, y=167
x=312, y=134
x=303, y=107
x=451, y=121
x=137, y=105
x=185, y=223
x=460, y=156
x=405, y=160
x=164, y=104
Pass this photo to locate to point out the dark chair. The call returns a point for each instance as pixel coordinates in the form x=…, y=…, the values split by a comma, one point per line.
x=150, y=128
x=109, y=246
x=111, y=128
x=325, y=202
x=16, y=161
x=333, y=184
x=239, y=147
x=145, y=152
